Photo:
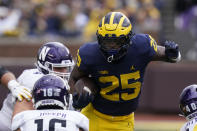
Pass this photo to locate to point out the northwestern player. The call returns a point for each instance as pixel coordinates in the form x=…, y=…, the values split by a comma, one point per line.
x=116, y=63
x=51, y=100
x=188, y=107
x=18, y=91
x=52, y=58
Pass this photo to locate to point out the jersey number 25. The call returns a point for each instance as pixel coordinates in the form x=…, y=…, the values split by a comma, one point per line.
x=123, y=83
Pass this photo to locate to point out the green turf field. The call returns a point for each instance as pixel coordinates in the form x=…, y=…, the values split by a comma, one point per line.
x=158, y=125
x=158, y=122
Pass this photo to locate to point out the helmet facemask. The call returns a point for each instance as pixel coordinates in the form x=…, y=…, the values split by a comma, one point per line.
x=62, y=70
x=114, y=48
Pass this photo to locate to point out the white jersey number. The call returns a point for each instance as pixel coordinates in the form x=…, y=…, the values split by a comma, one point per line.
x=52, y=123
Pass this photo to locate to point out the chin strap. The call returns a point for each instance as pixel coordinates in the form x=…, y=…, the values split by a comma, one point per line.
x=110, y=58
x=191, y=116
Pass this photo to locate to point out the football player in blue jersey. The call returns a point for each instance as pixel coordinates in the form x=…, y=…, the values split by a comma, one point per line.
x=116, y=63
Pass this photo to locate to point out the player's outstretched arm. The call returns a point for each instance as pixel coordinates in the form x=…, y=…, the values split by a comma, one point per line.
x=169, y=52
x=8, y=79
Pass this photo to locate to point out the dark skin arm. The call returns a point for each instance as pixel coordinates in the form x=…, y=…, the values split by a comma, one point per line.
x=82, y=88
x=78, y=80
x=76, y=74
x=80, y=129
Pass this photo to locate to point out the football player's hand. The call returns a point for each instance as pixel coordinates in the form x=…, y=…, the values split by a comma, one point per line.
x=19, y=91
x=82, y=100
x=172, y=51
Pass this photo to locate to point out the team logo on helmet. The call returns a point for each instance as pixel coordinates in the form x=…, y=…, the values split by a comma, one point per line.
x=54, y=55
x=114, y=24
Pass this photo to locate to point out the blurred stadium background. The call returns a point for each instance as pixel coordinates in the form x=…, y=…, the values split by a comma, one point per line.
x=27, y=24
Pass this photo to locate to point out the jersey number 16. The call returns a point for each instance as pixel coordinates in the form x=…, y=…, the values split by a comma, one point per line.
x=52, y=123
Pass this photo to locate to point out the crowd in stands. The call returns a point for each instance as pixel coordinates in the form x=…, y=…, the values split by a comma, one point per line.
x=186, y=21
x=74, y=18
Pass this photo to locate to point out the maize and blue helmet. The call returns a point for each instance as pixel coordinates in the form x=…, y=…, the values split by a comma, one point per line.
x=113, y=35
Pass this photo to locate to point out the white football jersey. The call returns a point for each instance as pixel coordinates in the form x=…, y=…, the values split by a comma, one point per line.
x=50, y=120
x=191, y=125
x=27, y=78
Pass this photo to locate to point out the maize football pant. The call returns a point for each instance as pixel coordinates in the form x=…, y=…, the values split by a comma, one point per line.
x=101, y=122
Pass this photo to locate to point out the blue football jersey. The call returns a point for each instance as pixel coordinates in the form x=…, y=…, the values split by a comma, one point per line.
x=119, y=84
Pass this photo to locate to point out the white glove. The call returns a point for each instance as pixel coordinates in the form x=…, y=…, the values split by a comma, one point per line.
x=19, y=91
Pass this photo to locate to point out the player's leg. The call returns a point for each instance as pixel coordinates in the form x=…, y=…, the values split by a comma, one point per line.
x=111, y=123
x=102, y=122
x=88, y=112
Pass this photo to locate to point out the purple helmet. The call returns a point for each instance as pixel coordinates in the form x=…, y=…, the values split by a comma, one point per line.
x=54, y=55
x=188, y=101
x=50, y=91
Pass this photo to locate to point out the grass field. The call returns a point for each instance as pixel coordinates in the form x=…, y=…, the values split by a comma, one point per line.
x=158, y=125
x=150, y=122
